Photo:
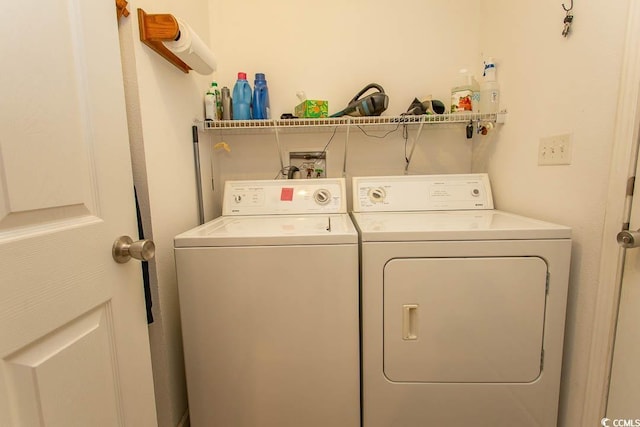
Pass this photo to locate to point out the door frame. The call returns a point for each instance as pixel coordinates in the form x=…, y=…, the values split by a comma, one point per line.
x=622, y=167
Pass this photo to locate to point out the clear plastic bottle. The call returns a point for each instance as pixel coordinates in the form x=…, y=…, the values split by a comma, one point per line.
x=489, y=89
x=260, y=98
x=241, y=99
x=465, y=96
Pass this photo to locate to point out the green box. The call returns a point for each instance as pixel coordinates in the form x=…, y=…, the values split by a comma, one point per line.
x=312, y=108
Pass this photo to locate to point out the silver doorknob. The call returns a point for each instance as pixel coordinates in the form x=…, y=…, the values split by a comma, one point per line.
x=628, y=239
x=125, y=248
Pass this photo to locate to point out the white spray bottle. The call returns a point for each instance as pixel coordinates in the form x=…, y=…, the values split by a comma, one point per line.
x=489, y=89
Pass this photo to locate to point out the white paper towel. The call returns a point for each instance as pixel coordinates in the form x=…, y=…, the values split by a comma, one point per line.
x=192, y=50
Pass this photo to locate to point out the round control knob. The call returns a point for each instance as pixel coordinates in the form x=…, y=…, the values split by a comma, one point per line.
x=475, y=192
x=322, y=196
x=377, y=195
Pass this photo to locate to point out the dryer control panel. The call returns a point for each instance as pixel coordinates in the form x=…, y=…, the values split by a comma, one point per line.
x=281, y=197
x=422, y=193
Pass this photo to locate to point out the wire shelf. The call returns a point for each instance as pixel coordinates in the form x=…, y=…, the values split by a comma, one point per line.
x=345, y=121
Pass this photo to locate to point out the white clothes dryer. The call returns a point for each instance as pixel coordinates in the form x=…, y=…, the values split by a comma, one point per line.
x=269, y=306
x=463, y=306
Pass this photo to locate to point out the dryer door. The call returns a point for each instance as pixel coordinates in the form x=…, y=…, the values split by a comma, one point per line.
x=461, y=320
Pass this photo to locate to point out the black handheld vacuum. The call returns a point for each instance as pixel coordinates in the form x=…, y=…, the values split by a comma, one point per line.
x=370, y=105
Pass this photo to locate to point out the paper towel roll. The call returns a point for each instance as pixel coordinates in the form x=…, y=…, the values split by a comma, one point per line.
x=192, y=50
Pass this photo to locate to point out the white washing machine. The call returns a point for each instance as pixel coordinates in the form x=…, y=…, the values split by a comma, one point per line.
x=269, y=304
x=463, y=306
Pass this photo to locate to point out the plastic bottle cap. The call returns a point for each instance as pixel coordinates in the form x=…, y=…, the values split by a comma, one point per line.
x=260, y=76
x=242, y=76
x=214, y=84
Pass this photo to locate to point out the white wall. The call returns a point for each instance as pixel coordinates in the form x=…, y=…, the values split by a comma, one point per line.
x=162, y=103
x=332, y=49
x=552, y=85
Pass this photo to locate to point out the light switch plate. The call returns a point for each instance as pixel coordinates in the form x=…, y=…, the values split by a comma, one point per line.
x=555, y=150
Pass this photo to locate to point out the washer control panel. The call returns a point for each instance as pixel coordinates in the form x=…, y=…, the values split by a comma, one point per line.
x=422, y=193
x=293, y=196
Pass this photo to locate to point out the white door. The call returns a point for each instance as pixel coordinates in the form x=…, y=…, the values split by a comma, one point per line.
x=73, y=337
x=624, y=389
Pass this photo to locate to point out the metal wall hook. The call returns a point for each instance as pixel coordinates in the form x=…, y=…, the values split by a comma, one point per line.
x=568, y=19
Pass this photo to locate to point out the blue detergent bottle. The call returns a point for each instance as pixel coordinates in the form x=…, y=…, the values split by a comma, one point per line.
x=241, y=99
x=261, y=98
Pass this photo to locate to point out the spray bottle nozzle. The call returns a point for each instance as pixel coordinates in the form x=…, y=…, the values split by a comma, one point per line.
x=488, y=66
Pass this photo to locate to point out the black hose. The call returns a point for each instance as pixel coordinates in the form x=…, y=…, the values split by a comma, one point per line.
x=292, y=170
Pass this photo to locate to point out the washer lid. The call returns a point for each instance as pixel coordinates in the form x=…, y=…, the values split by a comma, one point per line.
x=453, y=225
x=274, y=230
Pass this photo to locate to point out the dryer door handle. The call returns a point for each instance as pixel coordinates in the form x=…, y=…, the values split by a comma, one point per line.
x=410, y=322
